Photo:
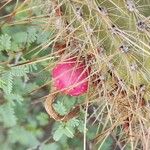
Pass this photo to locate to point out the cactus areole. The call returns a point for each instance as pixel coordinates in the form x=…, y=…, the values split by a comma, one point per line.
x=71, y=77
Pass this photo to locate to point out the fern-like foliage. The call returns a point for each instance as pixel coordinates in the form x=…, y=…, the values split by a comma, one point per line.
x=31, y=35
x=14, y=97
x=60, y=108
x=23, y=136
x=63, y=130
x=19, y=71
x=68, y=129
x=8, y=78
x=2, y=83
x=7, y=115
x=5, y=42
x=20, y=38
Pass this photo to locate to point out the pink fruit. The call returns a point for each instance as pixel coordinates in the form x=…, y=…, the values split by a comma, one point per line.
x=71, y=77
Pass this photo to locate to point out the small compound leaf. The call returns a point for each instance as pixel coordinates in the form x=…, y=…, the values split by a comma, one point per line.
x=60, y=108
x=5, y=42
x=7, y=115
x=58, y=133
x=73, y=122
x=23, y=136
x=69, y=132
x=20, y=37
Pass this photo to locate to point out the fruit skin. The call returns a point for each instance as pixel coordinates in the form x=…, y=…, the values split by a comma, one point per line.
x=71, y=77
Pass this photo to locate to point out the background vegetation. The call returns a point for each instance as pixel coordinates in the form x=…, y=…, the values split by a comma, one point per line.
x=112, y=36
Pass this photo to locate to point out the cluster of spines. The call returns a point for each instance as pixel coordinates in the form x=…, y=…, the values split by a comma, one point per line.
x=95, y=28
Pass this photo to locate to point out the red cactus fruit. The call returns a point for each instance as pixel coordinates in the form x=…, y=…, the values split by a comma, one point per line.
x=71, y=77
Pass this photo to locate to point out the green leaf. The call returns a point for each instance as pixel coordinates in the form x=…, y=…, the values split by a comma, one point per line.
x=58, y=133
x=43, y=119
x=73, y=122
x=63, y=129
x=22, y=88
x=43, y=37
x=60, y=108
x=32, y=35
x=81, y=126
x=8, y=79
x=32, y=67
x=14, y=97
x=14, y=47
x=2, y=83
x=69, y=132
x=5, y=42
x=42, y=78
x=23, y=136
x=20, y=37
x=7, y=115
x=69, y=102
x=63, y=106
x=52, y=146
x=19, y=71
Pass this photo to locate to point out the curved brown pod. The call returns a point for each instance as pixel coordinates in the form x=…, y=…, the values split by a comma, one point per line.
x=48, y=104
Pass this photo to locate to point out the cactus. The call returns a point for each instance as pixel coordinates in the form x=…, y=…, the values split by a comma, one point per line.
x=116, y=34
